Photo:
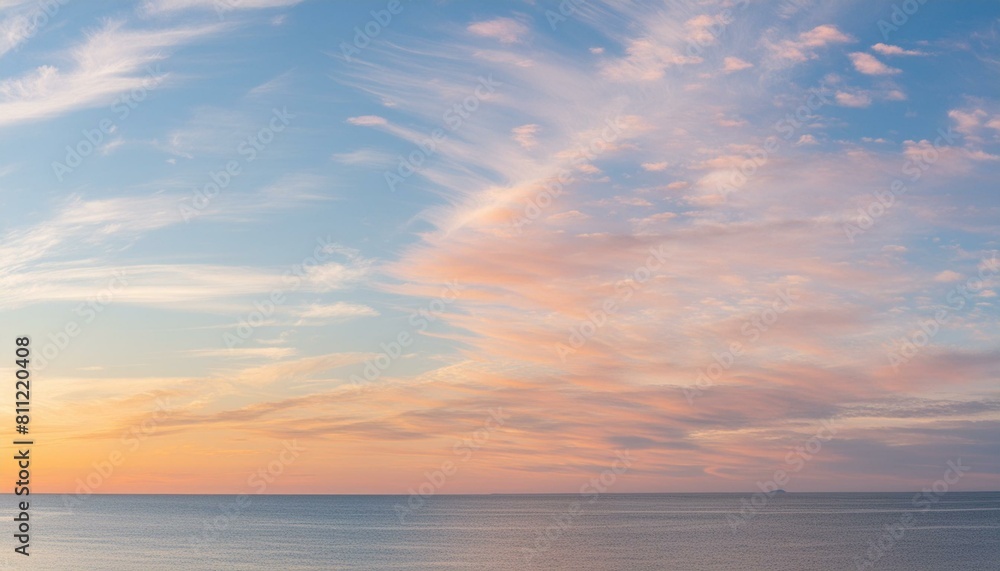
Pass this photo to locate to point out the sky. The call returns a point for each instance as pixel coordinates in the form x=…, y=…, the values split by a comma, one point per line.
x=292, y=246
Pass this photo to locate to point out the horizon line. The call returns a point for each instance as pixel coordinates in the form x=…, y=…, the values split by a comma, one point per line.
x=489, y=493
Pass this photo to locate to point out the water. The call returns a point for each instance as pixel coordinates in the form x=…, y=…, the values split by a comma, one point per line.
x=688, y=532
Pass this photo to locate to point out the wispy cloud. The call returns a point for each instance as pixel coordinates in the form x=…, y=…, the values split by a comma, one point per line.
x=731, y=64
x=646, y=59
x=167, y=6
x=19, y=21
x=367, y=120
x=805, y=46
x=868, y=65
x=112, y=60
x=506, y=30
x=333, y=313
x=890, y=50
x=857, y=98
x=525, y=135
x=364, y=157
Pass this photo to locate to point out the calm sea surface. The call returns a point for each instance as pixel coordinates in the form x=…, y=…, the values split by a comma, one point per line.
x=690, y=532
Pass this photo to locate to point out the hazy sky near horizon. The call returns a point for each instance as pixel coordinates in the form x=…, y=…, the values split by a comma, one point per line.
x=700, y=233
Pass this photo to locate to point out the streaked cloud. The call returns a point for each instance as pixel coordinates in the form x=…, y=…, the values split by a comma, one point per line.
x=334, y=312
x=891, y=50
x=868, y=65
x=506, y=30
x=805, y=46
x=731, y=64
x=367, y=120
x=222, y=6
x=364, y=157
x=112, y=60
x=525, y=135
x=858, y=98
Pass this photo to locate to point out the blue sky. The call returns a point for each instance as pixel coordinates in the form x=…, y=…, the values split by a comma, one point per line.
x=558, y=145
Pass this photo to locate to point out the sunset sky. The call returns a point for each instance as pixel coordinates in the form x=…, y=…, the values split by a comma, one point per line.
x=696, y=232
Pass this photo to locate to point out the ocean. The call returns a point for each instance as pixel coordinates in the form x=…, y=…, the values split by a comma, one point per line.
x=683, y=532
